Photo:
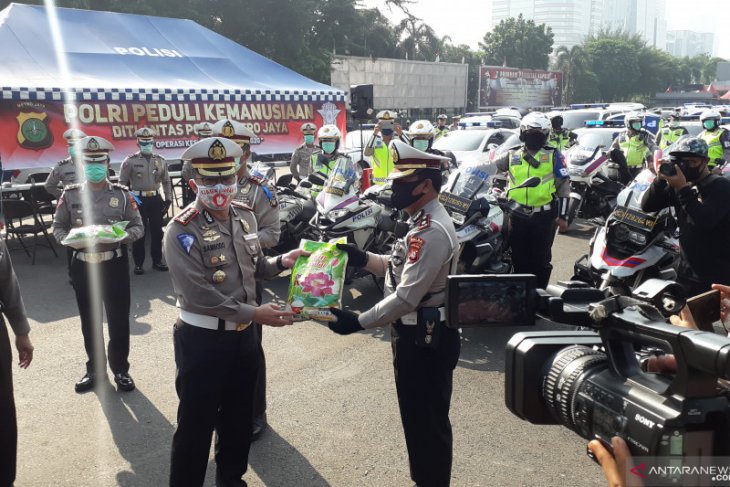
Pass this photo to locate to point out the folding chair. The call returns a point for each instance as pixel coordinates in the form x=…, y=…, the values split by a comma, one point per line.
x=42, y=200
x=177, y=182
x=16, y=212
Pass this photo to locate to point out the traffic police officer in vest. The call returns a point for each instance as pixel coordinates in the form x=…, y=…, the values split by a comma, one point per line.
x=560, y=138
x=100, y=273
x=425, y=351
x=632, y=148
x=65, y=171
x=215, y=258
x=329, y=137
x=377, y=146
x=442, y=129
x=668, y=135
x=717, y=138
x=143, y=172
x=538, y=209
x=301, y=159
x=202, y=130
x=421, y=136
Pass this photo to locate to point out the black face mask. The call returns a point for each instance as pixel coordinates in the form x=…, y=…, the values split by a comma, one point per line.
x=534, y=140
x=557, y=126
x=402, y=196
x=691, y=174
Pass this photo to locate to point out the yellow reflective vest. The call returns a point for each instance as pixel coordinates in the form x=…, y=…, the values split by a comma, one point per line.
x=716, y=151
x=670, y=136
x=382, y=163
x=634, y=148
x=520, y=170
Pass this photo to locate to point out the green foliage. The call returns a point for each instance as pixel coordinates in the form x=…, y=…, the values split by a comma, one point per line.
x=518, y=43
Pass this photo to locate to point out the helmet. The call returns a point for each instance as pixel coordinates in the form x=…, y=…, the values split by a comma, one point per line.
x=329, y=132
x=710, y=114
x=308, y=128
x=690, y=146
x=442, y=116
x=557, y=119
x=536, y=121
x=633, y=117
x=421, y=129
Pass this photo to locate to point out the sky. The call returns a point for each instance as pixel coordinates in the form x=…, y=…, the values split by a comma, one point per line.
x=466, y=21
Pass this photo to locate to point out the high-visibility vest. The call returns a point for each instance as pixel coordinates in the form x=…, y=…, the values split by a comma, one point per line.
x=440, y=132
x=559, y=140
x=634, y=149
x=321, y=168
x=520, y=170
x=669, y=137
x=715, y=145
x=382, y=163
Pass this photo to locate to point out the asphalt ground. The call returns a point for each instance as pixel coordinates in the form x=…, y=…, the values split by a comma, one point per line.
x=332, y=405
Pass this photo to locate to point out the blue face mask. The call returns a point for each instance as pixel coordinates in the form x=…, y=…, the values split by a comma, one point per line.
x=328, y=147
x=309, y=139
x=94, y=172
x=145, y=148
x=420, y=144
x=387, y=132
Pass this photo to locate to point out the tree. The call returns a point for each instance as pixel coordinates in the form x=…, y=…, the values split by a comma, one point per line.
x=615, y=62
x=574, y=63
x=463, y=54
x=418, y=41
x=518, y=43
x=656, y=71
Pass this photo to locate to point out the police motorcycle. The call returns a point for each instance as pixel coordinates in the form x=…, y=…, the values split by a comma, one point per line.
x=296, y=210
x=633, y=246
x=594, y=177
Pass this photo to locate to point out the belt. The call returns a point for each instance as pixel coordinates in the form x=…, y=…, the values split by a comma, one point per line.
x=146, y=194
x=97, y=257
x=528, y=210
x=211, y=322
x=412, y=318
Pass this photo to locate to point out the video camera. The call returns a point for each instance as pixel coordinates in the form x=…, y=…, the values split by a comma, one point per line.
x=590, y=380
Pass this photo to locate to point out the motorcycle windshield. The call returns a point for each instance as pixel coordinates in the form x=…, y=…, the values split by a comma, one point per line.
x=472, y=180
x=630, y=197
x=262, y=170
x=341, y=188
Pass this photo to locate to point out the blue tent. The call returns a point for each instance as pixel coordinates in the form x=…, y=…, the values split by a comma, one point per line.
x=125, y=57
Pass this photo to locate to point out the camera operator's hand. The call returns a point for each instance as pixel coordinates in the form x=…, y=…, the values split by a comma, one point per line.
x=685, y=319
x=724, y=300
x=662, y=364
x=616, y=466
x=355, y=257
x=677, y=182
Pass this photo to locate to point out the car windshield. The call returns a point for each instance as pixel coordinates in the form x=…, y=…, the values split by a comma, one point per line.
x=342, y=176
x=472, y=179
x=576, y=119
x=592, y=138
x=511, y=142
x=461, y=140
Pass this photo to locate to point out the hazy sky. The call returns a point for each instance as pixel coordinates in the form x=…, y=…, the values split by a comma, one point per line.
x=466, y=21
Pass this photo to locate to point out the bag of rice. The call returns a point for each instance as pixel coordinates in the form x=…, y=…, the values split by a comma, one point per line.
x=317, y=281
x=90, y=235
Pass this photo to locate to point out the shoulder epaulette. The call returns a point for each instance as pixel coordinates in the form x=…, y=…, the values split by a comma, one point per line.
x=187, y=215
x=64, y=161
x=241, y=205
x=72, y=186
x=120, y=186
x=258, y=181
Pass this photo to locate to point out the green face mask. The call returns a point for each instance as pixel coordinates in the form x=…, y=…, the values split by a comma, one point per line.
x=95, y=173
x=709, y=124
x=309, y=139
x=636, y=126
x=237, y=161
x=328, y=147
x=420, y=144
x=72, y=151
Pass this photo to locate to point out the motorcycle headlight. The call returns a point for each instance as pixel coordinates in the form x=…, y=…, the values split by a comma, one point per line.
x=638, y=238
x=458, y=218
x=621, y=232
x=337, y=214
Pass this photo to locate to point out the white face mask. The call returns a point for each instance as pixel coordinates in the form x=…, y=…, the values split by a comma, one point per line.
x=217, y=197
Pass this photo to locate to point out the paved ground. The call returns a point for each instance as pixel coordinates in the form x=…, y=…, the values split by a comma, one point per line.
x=332, y=404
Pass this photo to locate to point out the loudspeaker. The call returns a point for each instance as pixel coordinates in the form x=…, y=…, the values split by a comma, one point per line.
x=361, y=101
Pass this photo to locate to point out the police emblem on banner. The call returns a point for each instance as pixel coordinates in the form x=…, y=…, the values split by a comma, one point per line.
x=33, y=130
x=329, y=112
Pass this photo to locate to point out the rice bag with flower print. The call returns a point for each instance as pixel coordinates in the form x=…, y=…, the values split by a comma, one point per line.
x=317, y=280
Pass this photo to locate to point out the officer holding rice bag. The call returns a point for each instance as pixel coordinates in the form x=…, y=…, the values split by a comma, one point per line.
x=100, y=272
x=425, y=351
x=214, y=253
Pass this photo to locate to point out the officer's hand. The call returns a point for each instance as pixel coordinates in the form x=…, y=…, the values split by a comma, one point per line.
x=288, y=259
x=398, y=130
x=617, y=465
x=272, y=315
x=355, y=256
x=25, y=350
x=376, y=130
x=347, y=322
x=563, y=225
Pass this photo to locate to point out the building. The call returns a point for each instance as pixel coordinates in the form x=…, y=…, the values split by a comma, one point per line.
x=683, y=43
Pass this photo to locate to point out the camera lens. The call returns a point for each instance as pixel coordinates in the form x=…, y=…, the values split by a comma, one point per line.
x=566, y=374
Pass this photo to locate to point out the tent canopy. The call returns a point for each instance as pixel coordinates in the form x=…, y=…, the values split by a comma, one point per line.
x=114, y=56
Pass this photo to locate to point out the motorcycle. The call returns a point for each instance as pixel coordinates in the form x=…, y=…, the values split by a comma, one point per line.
x=296, y=210
x=632, y=246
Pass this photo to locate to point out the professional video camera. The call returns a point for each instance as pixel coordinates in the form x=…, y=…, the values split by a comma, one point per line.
x=590, y=380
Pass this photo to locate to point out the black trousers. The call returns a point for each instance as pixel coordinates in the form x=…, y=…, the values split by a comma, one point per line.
x=216, y=375
x=112, y=290
x=151, y=212
x=9, y=427
x=423, y=380
x=531, y=239
x=259, y=394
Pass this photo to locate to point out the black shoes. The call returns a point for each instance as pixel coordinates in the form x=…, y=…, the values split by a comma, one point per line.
x=86, y=383
x=160, y=267
x=259, y=425
x=138, y=270
x=124, y=382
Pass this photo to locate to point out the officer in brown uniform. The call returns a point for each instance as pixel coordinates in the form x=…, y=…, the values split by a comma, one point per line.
x=301, y=159
x=99, y=202
x=65, y=171
x=202, y=130
x=11, y=307
x=425, y=351
x=214, y=254
x=143, y=172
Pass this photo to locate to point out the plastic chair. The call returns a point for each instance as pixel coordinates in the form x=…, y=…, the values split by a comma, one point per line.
x=16, y=211
x=177, y=182
x=39, y=196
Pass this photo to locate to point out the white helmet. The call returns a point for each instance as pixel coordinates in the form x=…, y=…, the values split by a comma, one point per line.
x=536, y=121
x=710, y=114
x=421, y=129
x=329, y=132
x=633, y=117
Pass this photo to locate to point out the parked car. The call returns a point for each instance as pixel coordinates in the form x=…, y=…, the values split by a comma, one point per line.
x=472, y=145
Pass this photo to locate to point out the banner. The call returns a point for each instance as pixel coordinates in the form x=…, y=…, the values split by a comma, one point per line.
x=499, y=86
x=32, y=131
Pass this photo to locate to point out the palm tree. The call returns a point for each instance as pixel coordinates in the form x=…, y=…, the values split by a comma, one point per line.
x=574, y=63
x=418, y=39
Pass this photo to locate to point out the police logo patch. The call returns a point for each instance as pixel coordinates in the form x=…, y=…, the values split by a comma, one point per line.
x=186, y=241
x=415, y=244
x=114, y=202
x=93, y=144
x=217, y=151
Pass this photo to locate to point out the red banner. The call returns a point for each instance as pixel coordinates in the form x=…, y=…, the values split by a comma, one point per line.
x=500, y=86
x=32, y=131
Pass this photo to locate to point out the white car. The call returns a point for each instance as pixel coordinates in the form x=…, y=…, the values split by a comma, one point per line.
x=472, y=145
x=354, y=141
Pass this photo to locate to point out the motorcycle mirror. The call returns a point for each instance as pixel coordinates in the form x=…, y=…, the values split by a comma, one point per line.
x=532, y=182
x=305, y=184
x=317, y=179
x=284, y=180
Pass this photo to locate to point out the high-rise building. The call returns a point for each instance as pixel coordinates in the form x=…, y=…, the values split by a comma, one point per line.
x=690, y=43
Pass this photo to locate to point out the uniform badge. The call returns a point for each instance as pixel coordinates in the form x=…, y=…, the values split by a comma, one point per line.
x=79, y=221
x=246, y=226
x=219, y=276
x=186, y=241
x=415, y=244
x=242, y=326
x=214, y=260
x=207, y=216
x=211, y=236
x=425, y=222
x=114, y=202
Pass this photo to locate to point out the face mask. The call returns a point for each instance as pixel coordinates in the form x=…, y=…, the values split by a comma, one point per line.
x=237, y=162
x=217, y=197
x=690, y=173
x=534, y=140
x=72, y=151
x=146, y=148
x=387, y=132
x=309, y=139
x=402, y=196
x=674, y=124
x=420, y=144
x=95, y=173
x=635, y=126
x=556, y=126
x=328, y=147
x=709, y=124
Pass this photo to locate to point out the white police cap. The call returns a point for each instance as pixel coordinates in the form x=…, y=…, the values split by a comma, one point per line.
x=145, y=134
x=72, y=135
x=233, y=130
x=407, y=160
x=213, y=156
x=94, y=149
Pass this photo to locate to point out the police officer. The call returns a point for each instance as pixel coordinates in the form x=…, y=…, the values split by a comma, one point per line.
x=425, y=351
x=632, y=148
x=65, y=171
x=301, y=159
x=717, y=138
x=11, y=307
x=214, y=254
x=142, y=173
x=328, y=137
x=442, y=129
x=670, y=134
x=455, y=122
x=100, y=273
x=538, y=209
x=202, y=130
x=377, y=146
x=421, y=136
x=560, y=138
